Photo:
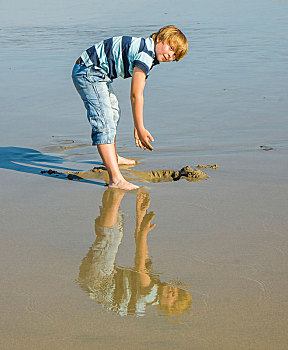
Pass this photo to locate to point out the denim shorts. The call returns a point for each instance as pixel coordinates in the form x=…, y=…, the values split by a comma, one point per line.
x=103, y=111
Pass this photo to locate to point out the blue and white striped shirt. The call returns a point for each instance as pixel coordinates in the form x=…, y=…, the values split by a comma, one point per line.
x=119, y=55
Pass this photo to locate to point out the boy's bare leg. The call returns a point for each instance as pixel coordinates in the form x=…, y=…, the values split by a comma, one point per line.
x=122, y=160
x=109, y=157
x=111, y=200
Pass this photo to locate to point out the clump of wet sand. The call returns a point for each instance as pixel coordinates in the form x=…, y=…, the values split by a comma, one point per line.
x=161, y=175
x=154, y=176
x=201, y=166
x=68, y=175
x=266, y=148
x=99, y=173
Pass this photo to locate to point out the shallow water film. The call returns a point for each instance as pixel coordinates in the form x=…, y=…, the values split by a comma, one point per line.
x=197, y=264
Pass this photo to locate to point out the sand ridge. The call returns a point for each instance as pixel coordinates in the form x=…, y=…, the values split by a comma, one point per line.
x=154, y=176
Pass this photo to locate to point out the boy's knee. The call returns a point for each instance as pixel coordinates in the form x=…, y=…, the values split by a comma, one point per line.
x=100, y=137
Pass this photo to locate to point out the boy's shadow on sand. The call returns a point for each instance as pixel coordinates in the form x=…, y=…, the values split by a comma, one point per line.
x=27, y=160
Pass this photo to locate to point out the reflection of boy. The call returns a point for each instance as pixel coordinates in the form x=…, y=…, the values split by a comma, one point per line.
x=98, y=267
x=125, y=290
x=122, y=56
x=170, y=300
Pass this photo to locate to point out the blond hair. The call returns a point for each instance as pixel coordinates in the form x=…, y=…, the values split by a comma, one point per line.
x=174, y=37
x=179, y=306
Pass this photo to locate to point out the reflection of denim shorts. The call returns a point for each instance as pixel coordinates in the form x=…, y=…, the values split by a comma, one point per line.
x=103, y=112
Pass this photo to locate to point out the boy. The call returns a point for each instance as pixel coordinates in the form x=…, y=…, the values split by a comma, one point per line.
x=93, y=74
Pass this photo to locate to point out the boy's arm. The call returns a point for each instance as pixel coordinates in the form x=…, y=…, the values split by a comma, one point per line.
x=137, y=103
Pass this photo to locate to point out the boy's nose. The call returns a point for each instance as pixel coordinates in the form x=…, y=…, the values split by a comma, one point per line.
x=171, y=55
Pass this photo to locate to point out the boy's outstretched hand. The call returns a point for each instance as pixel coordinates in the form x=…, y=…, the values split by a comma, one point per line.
x=142, y=139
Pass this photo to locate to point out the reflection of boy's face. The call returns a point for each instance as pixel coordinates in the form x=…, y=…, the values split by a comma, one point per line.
x=168, y=296
x=164, y=52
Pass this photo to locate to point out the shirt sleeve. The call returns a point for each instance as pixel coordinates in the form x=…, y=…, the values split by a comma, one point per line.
x=144, y=62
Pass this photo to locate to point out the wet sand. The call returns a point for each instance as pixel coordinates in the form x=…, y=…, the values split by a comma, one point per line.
x=180, y=264
x=129, y=174
x=222, y=243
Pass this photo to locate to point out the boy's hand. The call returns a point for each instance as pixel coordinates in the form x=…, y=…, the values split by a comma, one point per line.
x=142, y=138
x=137, y=140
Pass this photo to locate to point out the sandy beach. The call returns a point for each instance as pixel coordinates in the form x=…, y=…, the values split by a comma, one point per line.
x=178, y=264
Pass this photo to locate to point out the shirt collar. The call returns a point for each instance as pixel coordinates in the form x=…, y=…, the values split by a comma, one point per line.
x=155, y=62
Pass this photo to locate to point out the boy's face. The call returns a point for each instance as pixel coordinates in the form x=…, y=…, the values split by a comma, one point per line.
x=164, y=52
x=168, y=296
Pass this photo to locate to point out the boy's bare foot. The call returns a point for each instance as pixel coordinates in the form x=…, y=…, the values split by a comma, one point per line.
x=125, y=161
x=123, y=185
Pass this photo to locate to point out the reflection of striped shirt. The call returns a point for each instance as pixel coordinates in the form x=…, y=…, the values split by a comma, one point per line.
x=118, y=56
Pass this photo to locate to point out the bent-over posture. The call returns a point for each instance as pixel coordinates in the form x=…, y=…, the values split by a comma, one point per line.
x=122, y=56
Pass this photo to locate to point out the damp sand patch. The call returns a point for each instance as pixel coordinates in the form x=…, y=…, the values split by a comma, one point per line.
x=152, y=176
x=186, y=173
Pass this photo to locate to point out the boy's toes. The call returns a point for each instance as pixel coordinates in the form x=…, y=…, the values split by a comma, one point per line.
x=126, y=161
x=124, y=185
